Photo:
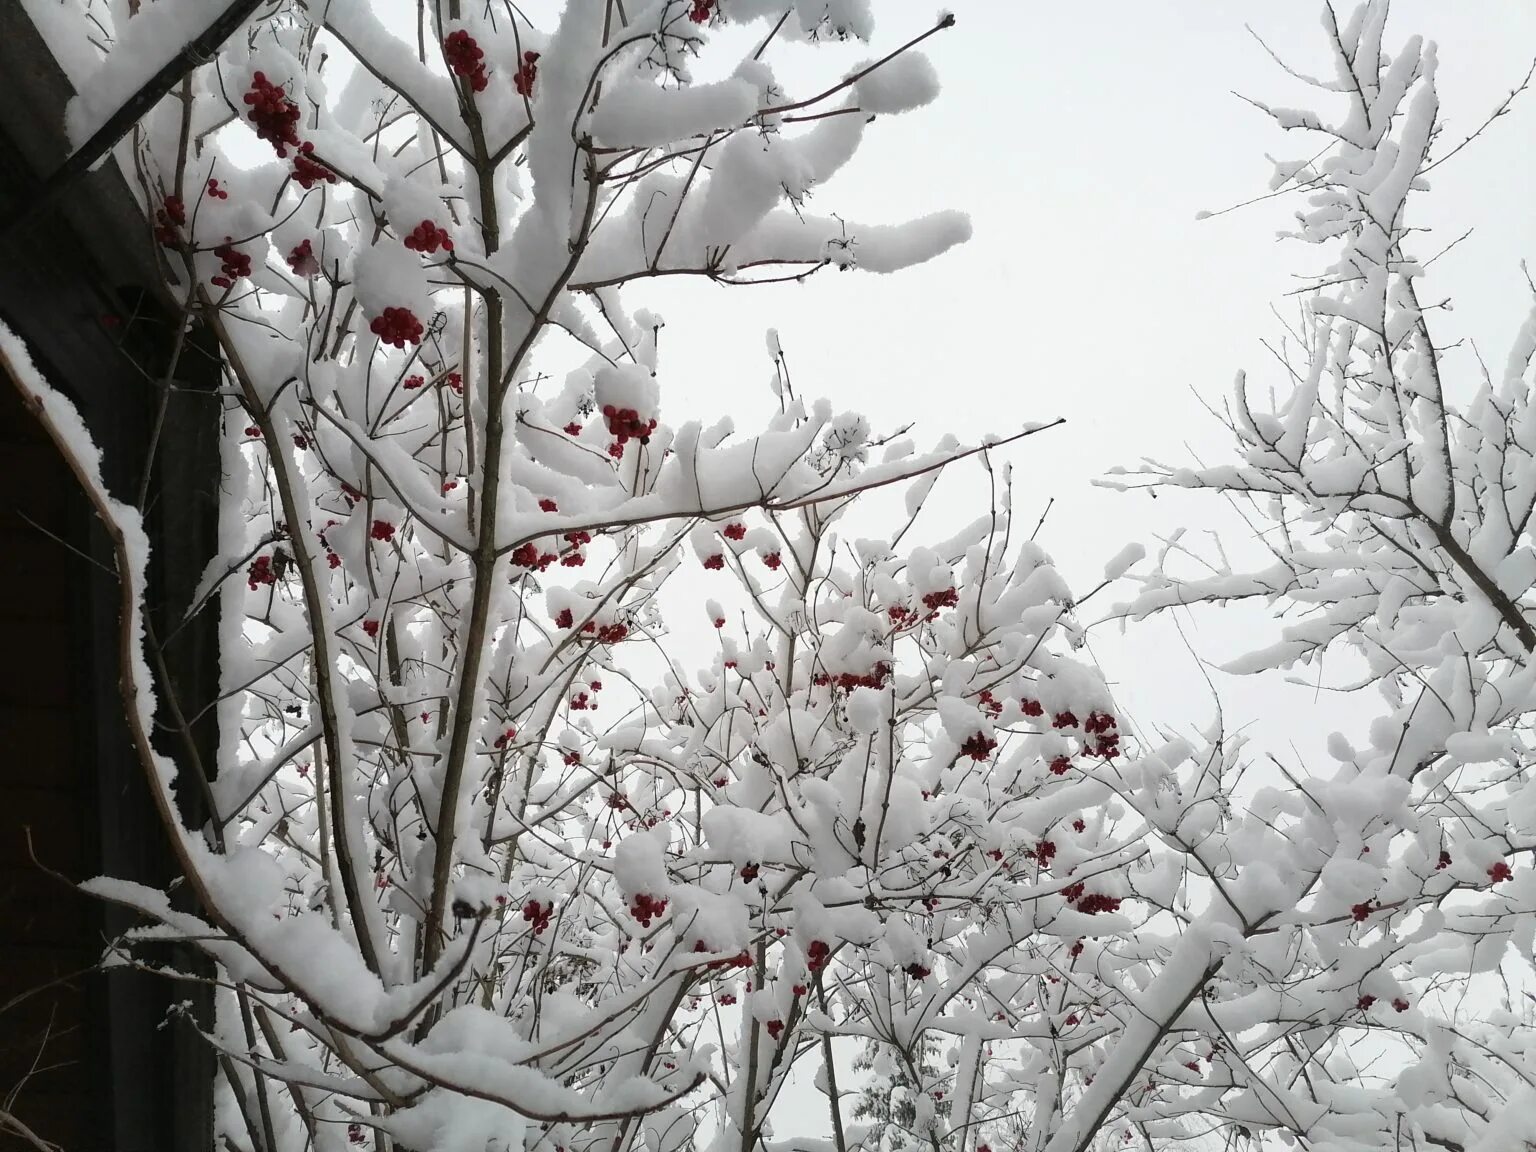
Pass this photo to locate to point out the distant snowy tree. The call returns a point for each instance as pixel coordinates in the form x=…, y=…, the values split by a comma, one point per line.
x=1390, y=1002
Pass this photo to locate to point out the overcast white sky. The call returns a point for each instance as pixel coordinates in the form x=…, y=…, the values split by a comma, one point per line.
x=1083, y=139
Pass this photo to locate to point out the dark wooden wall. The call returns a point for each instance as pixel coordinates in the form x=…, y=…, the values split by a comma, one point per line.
x=51, y=934
x=79, y=284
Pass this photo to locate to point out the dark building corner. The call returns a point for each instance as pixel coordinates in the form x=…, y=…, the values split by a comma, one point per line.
x=97, y=1063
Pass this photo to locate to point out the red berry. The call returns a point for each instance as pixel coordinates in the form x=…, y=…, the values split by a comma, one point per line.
x=302, y=260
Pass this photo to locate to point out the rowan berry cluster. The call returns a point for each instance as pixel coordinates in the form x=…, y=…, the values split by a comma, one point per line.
x=538, y=915
x=275, y=116
x=978, y=746
x=302, y=259
x=742, y=959
x=1102, y=725
x=625, y=423
x=260, y=572
x=701, y=11
x=466, y=58
x=307, y=171
x=168, y=218
x=527, y=73
x=1090, y=903
x=235, y=264
x=397, y=326
x=428, y=237
x=646, y=908
x=948, y=598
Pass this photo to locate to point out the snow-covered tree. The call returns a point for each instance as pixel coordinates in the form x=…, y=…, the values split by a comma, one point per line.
x=1394, y=479
x=500, y=856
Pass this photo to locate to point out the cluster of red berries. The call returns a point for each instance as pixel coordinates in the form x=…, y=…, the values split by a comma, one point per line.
x=302, y=260
x=372, y=628
x=428, y=237
x=573, y=429
x=1102, y=726
x=715, y=562
x=772, y=560
x=848, y=681
x=466, y=58
x=817, y=955
x=734, y=530
x=775, y=1028
x=1060, y=765
x=538, y=915
x=527, y=556
x=1361, y=911
x=235, y=264
x=412, y=382
x=1444, y=861
x=1032, y=708
x=382, y=530
x=1044, y=852
x=168, y=219
x=571, y=758
x=260, y=572
x=989, y=702
x=612, y=633
x=565, y=618
x=625, y=423
x=1064, y=720
x=646, y=908
x=701, y=11
x=504, y=739
x=742, y=959
x=355, y=1134
x=397, y=326
x=749, y=872
x=527, y=73
x=307, y=171
x=581, y=702
x=978, y=746
x=948, y=598
x=215, y=191
x=918, y=971
x=1500, y=871
x=1090, y=903
x=275, y=116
